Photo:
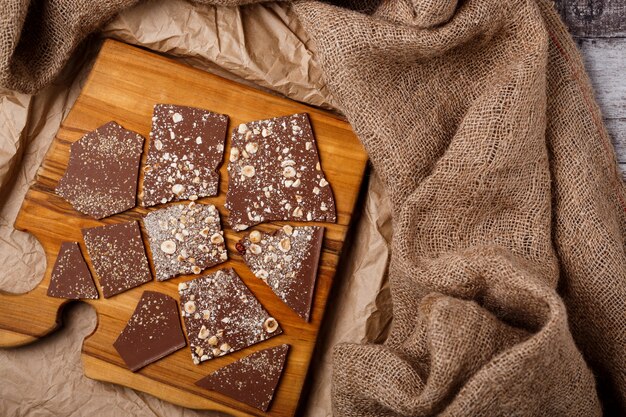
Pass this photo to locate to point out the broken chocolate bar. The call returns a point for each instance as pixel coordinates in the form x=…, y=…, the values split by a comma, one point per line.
x=252, y=379
x=275, y=174
x=185, y=239
x=222, y=315
x=152, y=332
x=186, y=148
x=70, y=276
x=118, y=256
x=287, y=261
x=101, y=175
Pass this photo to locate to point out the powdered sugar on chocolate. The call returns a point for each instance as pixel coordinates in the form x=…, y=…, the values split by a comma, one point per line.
x=186, y=148
x=275, y=174
x=222, y=315
x=118, y=256
x=185, y=239
x=252, y=379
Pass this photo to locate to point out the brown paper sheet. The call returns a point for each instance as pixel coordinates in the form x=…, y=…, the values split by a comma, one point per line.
x=260, y=45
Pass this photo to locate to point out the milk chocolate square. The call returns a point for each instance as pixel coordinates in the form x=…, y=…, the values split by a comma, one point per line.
x=252, y=379
x=101, y=175
x=186, y=148
x=287, y=261
x=118, y=256
x=275, y=174
x=222, y=315
x=185, y=239
x=70, y=275
x=153, y=331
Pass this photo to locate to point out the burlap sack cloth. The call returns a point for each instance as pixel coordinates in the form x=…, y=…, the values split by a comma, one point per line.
x=508, y=271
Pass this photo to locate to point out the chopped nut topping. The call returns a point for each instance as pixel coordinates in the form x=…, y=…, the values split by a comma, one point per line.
x=217, y=238
x=255, y=236
x=248, y=171
x=288, y=229
x=297, y=212
x=323, y=182
x=242, y=128
x=289, y=172
x=213, y=340
x=178, y=189
x=196, y=269
x=158, y=145
x=255, y=249
x=285, y=245
x=252, y=147
x=203, y=333
x=182, y=286
x=234, y=154
x=270, y=325
x=168, y=246
x=177, y=117
x=225, y=347
x=190, y=307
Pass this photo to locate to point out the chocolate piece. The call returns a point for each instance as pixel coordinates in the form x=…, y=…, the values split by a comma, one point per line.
x=101, y=176
x=275, y=174
x=186, y=148
x=252, y=379
x=222, y=315
x=70, y=276
x=152, y=332
x=287, y=261
x=185, y=239
x=118, y=256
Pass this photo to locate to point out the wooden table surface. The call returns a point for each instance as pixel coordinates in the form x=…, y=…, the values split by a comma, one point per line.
x=599, y=28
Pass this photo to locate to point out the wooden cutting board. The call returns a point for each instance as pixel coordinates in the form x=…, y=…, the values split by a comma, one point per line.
x=123, y=86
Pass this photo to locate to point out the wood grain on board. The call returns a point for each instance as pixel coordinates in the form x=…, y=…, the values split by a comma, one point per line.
x=123, y=86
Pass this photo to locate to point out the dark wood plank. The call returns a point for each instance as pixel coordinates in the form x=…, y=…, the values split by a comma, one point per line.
x=605, y=61
x=594, y=18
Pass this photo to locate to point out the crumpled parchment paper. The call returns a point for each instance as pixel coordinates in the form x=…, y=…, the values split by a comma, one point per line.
x=260, y=45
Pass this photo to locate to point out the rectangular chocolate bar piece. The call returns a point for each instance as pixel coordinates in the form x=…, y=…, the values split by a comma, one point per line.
x=186, y=148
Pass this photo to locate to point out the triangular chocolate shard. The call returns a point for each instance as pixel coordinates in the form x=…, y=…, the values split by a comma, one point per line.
x=274, y=173
x=252, y=379
x=287, y=261
x=70, y=276
x=153, y=331
x=102, y=172
x=222, y=315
